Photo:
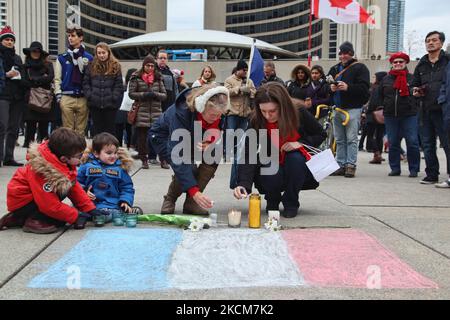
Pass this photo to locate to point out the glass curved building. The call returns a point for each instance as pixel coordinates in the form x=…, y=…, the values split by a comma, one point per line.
x=284, y=23
x=111, y=21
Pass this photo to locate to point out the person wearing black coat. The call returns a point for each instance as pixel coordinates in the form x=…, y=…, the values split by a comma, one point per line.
x=37, y=73
x=375, y=130
x=400, y=115
x=11, y=97
x=350, y=92
x=103, y=89
x=286, y=170
x=428, y=79
x=318, y=91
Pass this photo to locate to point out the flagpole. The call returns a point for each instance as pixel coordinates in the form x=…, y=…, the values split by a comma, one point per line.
x=310, y=33
x=252, y=53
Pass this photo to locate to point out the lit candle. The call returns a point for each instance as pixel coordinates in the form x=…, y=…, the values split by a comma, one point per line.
x=234, y=219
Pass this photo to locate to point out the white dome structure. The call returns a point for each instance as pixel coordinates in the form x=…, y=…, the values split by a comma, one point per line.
x=220, y=45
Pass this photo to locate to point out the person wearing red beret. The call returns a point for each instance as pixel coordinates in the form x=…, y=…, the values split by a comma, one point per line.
x=400, y=114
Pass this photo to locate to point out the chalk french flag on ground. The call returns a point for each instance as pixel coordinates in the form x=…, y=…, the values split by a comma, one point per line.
x=157, y=259
x=341, y=11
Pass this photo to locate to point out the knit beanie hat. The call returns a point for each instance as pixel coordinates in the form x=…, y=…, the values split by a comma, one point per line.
x=347, y=47
x=7, y=32
x=241, y=65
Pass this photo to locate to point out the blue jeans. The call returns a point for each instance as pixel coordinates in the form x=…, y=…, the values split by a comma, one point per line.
x=290, y=178
x=431, y=126
x=235, y=122
x=346, y=137
x=396, y=129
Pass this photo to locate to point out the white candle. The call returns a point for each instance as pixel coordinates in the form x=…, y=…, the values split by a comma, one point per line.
x=234, y=218
x=275, y=214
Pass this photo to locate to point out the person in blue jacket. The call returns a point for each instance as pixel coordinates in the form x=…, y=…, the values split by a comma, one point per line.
x=205, y=106
x=104, y=176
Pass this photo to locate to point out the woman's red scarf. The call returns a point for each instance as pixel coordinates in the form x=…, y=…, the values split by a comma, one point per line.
x=207, y=126
x=293, y=137
x=401, y=82
x=148, y=78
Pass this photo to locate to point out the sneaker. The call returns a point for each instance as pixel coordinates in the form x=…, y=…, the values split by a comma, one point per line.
x=413, y=175
x=429, y=180
x=443, y=185
x=394, y=174
x=289, y=213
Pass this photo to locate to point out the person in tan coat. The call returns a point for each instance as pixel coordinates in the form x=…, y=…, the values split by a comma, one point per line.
x=147, y=89
x=242, y=91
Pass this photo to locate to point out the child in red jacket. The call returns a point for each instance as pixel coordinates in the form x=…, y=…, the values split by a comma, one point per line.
x=36, y=191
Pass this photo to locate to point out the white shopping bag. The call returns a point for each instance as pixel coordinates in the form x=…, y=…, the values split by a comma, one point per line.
x=322, y=164
x=127, y=102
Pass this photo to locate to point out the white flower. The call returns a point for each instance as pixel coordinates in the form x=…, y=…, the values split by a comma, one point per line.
x=272, y=225
x=196, y=225
x=85, y=61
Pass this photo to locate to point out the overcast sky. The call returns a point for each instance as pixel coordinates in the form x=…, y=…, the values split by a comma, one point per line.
x=421, y=15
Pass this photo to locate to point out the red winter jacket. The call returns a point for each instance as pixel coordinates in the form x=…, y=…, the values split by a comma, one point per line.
x=47, y=181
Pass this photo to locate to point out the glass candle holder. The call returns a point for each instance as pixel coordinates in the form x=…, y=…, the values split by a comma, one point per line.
x=131, y=220
x=100, y=220
x=234, y=219
x=118, y=220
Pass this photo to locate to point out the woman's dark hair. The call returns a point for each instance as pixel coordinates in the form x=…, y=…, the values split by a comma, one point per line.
x=66, y=142
x=288, y=120
x=379, y=76
x=104, y=139
x=150, y=59
x=302, y=67
x=320, y=69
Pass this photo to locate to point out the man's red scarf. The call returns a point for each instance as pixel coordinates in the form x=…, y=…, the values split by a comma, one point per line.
x=401, y=82
x=293, y=137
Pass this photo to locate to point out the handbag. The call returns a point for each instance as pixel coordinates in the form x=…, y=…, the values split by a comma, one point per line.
x=132, y=114
x=127, y=102
x=322, y=163
x=40, y=100
x=378, y=116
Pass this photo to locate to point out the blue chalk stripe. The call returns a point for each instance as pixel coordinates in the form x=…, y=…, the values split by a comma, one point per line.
x=115, y=260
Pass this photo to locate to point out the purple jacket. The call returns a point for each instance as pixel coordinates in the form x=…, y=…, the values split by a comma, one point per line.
x=319, y=92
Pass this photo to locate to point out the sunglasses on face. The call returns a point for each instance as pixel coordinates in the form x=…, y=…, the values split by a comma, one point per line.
x=398, y=62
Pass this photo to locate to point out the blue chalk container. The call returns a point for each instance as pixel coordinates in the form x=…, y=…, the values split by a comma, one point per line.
x=131, y=220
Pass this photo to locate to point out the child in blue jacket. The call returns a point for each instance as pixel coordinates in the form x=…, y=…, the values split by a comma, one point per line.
x=104, y=176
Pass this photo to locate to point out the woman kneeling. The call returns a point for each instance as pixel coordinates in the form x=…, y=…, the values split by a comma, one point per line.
x=274, y=110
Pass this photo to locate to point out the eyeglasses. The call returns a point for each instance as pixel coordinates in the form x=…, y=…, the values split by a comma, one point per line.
x=398, y=62
x=150, y=65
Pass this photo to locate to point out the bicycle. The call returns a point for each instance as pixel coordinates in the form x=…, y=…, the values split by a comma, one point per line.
x=330, y=141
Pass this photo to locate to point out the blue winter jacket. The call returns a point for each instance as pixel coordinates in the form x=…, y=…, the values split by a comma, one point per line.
x=177, y=116
x=444, y=97
x=67, y=66
x=111, y=184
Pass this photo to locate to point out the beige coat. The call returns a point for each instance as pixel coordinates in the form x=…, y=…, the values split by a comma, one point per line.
x=240, y=103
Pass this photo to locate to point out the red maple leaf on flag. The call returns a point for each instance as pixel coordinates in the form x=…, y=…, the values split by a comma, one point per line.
x=340, y=4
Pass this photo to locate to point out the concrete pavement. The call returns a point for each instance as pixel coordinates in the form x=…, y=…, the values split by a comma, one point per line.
x=409, y=219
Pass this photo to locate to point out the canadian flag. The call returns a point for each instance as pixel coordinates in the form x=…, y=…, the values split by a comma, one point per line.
x=341, y=11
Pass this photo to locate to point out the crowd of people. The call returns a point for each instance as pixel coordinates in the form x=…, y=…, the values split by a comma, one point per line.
x=88, y=94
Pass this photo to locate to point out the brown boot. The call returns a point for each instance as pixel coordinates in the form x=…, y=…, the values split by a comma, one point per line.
x=205, y=173
x=145, y=162
x=39, y=227
x=174, y=192
x=350, y=171
x=377, y=159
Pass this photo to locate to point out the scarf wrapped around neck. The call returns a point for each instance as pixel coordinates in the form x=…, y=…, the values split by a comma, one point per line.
x=148, y=78
x=77, y=58
x=215, y=127
x=293, y=137
x=8, y=55
x=401, y=81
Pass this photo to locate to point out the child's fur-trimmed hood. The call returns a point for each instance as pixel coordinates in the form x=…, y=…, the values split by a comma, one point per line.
x=126, y=161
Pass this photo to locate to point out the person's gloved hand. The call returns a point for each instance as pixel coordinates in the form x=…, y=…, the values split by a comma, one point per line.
x=84, y=217
x=149, y=95
x=245, y=90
